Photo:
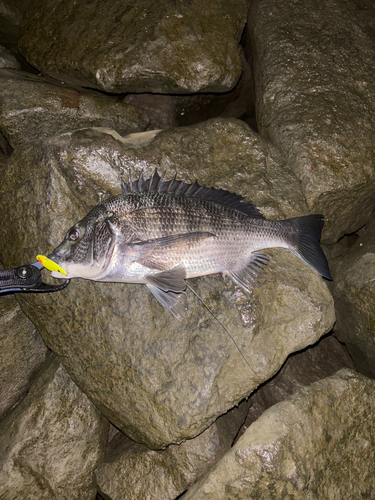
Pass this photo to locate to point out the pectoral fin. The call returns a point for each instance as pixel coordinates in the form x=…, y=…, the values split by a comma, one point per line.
x=172, y=280
x=175, y=302
x=247, y=277
x=156, y=253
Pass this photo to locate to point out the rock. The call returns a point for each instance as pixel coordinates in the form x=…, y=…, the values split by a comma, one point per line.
x=124, y=351
x=7, y=59
x=238, y=103
x=167, y=111
x=316, y=444
x=160, y=108
x=52, y=441
x=133, y=47
x=130, y=470
x=31, y=109
x=10, y=18
x=22, y=352
x=313, y=71
x=301, y=369
x=5, y=149
x=3, y=158
x=354, y=292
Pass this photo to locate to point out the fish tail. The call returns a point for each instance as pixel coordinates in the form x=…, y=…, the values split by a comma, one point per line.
x=307, y=231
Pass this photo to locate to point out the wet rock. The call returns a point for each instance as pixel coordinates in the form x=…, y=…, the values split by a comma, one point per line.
x=22, y=352
x=31, y=108
x=316, y=101
x=7, y=59
x=316, y=444
x=52, y=441
x=180, y=47
x=10, y=18
x=130, y=470
x=160, y=108
x=238, y=103
x=354, y=292
x=300, y=369
x=124, y=351
x=167, y=111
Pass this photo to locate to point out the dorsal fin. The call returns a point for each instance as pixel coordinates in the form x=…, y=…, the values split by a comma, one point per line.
x=156, y=184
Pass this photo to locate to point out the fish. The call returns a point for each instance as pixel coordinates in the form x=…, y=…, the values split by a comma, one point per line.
x=162, y=232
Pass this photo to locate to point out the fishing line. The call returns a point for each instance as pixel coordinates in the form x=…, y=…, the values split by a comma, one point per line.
x=224, y=328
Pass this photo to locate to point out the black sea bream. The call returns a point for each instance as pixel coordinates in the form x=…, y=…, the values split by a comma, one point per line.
x=160, y=232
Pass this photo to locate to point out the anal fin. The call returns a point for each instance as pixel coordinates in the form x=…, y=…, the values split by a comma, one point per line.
x=247, y=277
x=175, y=302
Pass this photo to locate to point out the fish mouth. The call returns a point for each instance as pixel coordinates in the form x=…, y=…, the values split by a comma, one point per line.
x=56, y=258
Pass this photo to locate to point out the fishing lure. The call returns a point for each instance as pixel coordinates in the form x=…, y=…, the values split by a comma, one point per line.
x=49, y=264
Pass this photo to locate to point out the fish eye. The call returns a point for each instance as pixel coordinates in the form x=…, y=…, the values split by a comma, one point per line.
x=73, y=234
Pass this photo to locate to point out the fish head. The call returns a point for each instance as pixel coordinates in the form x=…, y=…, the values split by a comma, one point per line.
x=88, y=246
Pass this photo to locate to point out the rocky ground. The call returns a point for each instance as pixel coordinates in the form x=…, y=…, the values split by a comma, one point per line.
x=105, y=395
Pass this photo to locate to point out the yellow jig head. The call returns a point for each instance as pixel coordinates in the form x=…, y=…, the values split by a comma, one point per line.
x=49, y=264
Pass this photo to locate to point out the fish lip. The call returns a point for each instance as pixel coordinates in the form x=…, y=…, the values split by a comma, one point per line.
x=54, y=256
x=58, y=275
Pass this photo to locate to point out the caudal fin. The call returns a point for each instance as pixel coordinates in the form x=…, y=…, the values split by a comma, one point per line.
x=306, y=243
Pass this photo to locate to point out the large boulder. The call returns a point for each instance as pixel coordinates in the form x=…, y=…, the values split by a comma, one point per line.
x=157, y=379
x=301, y=369
x=354, y=292
x=127, y=46
x=10, y=18
x=167, y=111
x=32, y=108
x=7, y=59
x=51, y=443
x=316, y=444
x=314, y=73
x=132, y=471
x=22, y=352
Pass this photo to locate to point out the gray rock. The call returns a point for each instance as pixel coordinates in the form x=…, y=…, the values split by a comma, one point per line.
x=10, y=18
x=316, y=444
x=238, y=103
x=124, y=351
x=354, y=292
x=180, y=47
x=7, y=59
x=314, y=78
x=51, y=443
x=167, y=111
x=133, y=471
x=31, y=108
x=160, y=108
x=300, y=369
x=22, y=352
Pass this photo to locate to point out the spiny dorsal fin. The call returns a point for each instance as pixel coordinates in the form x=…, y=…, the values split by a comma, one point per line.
x=156, y=184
